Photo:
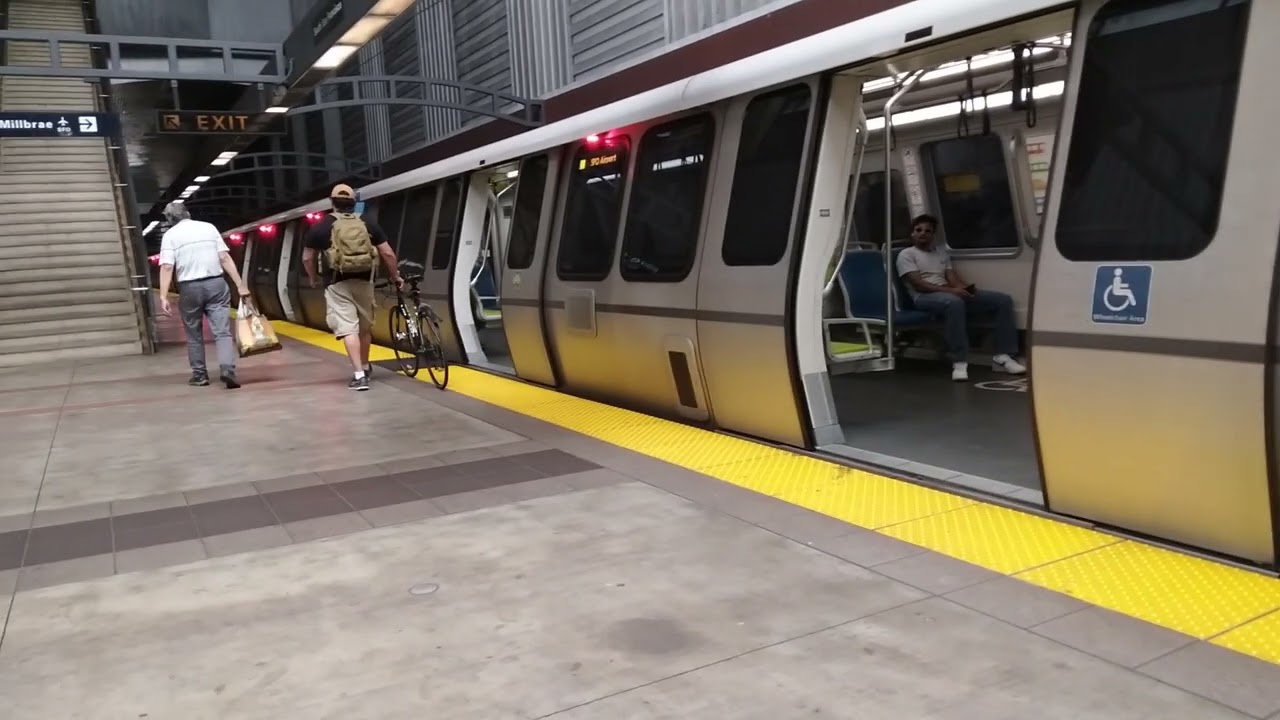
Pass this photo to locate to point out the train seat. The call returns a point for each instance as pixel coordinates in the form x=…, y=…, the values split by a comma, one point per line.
x=866, y=290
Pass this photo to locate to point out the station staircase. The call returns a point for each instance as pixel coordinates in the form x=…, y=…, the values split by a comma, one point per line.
x=65, y=257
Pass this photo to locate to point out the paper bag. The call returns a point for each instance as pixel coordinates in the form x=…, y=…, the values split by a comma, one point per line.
x=254, y=334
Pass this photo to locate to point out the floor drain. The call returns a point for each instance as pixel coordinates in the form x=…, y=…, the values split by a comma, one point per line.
x=423, y=589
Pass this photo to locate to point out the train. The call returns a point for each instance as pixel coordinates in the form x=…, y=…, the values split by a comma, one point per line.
x=721, y=250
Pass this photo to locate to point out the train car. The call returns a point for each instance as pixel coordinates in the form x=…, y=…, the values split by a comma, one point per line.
x=723, y=250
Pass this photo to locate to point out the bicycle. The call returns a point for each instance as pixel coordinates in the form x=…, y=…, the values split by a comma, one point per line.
x=415, y=333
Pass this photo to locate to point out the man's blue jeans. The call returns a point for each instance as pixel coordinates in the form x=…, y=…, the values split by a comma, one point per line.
x=955, y=310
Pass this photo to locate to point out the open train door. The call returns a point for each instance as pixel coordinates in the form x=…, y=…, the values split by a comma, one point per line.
x=1150, y=321
x=525, y=263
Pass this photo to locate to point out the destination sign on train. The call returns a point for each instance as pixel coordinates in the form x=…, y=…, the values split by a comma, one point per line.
x=597, y=161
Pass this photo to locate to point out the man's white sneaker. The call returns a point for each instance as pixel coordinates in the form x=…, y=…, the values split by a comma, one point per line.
x=960, y=372
x=1006, y=364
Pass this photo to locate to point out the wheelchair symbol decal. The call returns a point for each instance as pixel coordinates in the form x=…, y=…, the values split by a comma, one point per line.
x=1121, y=294
x=1015, y=385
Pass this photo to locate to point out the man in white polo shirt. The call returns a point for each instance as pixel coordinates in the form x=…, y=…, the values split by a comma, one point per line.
x=196, y=253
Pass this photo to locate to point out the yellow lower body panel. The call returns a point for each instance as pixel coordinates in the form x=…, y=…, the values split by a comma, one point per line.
x=1233, y=608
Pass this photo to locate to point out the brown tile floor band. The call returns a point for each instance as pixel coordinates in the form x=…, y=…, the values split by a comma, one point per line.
x=55, y=543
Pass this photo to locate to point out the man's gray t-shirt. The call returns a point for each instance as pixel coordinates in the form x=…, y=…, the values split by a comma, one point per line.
x=931, y=264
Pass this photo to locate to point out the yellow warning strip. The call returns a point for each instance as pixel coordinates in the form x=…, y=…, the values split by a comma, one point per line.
x=1228, y=606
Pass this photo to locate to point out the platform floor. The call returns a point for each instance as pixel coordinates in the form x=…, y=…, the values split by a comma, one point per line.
x=295, y=550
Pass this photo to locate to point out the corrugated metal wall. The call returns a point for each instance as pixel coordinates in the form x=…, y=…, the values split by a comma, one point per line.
x=531, y=48
x=606, y=32
x=690, y=17
x=483, y=47
x=539, y=32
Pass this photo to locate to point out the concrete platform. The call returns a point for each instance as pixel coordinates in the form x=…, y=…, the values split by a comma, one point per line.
x=295, y=550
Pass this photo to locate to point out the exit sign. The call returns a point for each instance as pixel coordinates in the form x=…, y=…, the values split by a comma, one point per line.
x=208, y=122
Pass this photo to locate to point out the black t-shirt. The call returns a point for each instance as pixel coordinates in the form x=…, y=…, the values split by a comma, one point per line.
x=319, y=236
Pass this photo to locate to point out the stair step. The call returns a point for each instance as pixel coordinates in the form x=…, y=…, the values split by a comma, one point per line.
x=43, y=183
x=83, y=353
x=58, y=287
x=14, y=212
x=45, y=344
x=18, y=197
x=16, y=247
x=64, y=273
x=13, y=256
x=116, y=308
x=71, y=298
x=41, y=263
x=126, y=322
x=52, y=228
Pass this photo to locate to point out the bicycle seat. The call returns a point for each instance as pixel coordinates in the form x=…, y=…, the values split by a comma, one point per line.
x=411, y=279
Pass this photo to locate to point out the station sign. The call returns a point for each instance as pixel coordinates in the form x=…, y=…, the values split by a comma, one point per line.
x=208, y=122
x=58, y=125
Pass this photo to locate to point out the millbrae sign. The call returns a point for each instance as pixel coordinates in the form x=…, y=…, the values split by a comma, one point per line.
x=55, y=125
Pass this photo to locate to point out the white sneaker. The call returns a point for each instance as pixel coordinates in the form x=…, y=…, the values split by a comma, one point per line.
x=960, y=372
x=1006, y=364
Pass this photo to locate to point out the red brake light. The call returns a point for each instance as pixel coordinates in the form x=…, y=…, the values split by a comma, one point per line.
x=266, y=230
x=593, y=139
x=155, y=259
x=236, y=238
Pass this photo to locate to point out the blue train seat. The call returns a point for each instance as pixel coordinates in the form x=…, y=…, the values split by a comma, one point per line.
x=865, y=285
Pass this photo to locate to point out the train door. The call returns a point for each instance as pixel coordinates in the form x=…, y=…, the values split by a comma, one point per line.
x=438, y=288
x=1154, y=313
x=744, y=300
x=485, y=217
x=308, y=302
x=390, y=214
x=526, y=263
x=622, y=301
x=290, y=264
x=266, y=271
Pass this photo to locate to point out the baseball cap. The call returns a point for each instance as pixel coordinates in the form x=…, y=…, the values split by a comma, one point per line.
x=343, y=191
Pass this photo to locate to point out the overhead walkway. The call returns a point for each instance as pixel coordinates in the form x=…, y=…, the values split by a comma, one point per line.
x=293, y=549
x=65, y=290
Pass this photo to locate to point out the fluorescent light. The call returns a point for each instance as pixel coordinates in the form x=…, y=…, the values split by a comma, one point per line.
x=365, y=29
x=951, y=109
x=513, y=174
x=335, y=56
x=959, y=67
x=151, y=226
x=390, y=7
x=192, y=188
x=276, y=109
x=202, y=179
x=224, y=158
x=179, y=200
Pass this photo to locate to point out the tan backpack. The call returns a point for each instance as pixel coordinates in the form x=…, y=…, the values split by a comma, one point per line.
x=350, y=246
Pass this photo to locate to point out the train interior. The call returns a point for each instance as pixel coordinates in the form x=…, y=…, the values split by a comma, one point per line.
x=970, y=143
x=498, y=187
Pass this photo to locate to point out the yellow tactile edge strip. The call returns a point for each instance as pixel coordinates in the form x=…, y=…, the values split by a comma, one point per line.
x=1227, y=606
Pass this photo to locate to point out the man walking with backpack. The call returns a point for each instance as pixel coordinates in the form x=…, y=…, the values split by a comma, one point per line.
x=350, y=247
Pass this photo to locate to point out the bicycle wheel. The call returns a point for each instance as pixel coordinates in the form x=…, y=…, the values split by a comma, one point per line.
x=404, y=341
x=437, y=364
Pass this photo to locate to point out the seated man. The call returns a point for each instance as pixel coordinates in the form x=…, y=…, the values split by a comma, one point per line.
x=937, y=288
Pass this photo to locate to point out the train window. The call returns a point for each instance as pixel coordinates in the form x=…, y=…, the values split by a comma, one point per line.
x=971, y=184
x=592, y=210
x=389, y=217
x=664, y=213
x=868, y=209
x=528, y=212
x=266, y=253
x=446, y=224
x=415, y=229
x=766, y=177
x=1152, y=130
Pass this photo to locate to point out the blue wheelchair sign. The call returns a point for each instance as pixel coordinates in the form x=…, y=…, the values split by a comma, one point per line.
x=1121, y=294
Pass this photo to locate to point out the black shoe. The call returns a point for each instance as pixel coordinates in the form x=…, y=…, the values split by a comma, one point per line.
x=229, y=379
x=198, y=379
x=368, y=371
x=359, y=383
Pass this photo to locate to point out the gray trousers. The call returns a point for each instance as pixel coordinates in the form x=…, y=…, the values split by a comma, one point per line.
x=211, y=297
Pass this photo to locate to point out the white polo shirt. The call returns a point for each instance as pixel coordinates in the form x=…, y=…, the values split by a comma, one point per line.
x=192, y=248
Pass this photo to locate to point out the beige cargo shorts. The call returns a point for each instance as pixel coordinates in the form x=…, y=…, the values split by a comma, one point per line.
x=349, y=307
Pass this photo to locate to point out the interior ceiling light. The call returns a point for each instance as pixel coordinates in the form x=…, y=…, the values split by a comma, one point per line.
x=512, y=175
x=335, y=56
x=959, y=67
x=277, y=109
x=951, y=109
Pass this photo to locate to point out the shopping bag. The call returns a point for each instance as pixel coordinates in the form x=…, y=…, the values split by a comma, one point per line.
x=254, y=334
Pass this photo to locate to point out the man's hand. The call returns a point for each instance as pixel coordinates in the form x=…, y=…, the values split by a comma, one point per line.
x=165, y=307
x=312, y=283
x=399, y=281
x=244, y=291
